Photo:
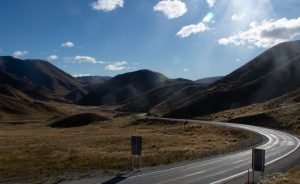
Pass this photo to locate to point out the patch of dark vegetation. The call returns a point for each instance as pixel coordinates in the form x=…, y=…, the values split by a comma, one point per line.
x=149, y=121
x=258, y=120
x=297, y=99
x=77, y=120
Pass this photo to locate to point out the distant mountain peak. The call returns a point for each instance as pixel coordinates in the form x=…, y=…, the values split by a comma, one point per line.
x=36, y=78
x=125, y=87
x=273, y=73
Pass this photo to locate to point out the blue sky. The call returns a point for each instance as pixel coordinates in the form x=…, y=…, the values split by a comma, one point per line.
x=179, y=38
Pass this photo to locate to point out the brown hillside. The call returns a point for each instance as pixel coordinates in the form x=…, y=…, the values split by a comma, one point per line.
x=270, y=75
x=149, y=99
x=280, y=113
x=124, y=87
x=37, y=78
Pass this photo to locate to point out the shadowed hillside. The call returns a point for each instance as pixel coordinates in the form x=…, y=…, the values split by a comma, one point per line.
x=271, y=74
x=93, y=79
x=281, y=113
x=124, y=87
x=12, y=92
x=175, y=100
x=208, y=80
x=149, y=99
x=36, y=78
x=16, y=109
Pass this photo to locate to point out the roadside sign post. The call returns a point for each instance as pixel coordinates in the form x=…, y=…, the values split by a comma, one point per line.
x=258, y=161
x=136, y=149
x=248, y=176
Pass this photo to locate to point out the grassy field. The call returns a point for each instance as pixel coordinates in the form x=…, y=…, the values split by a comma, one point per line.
x=38, y=153
x=290, y=177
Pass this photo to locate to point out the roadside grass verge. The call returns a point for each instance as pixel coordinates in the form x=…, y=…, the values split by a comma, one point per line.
x=292, y=176
x=37, y=153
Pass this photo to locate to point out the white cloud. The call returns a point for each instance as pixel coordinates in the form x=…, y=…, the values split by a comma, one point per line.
x=107, y=5
x=52, y=57
x=83, y=59
x=81, y=75
x=19, y=53
x=224, y=41
x=171, y=8
x=86, y=59
x=117, y=66
x=266, y=34
x=67, y=44
x=211, y=3
x=208, y=17
x=238, y=17
x=185, y=70
x=192, y=29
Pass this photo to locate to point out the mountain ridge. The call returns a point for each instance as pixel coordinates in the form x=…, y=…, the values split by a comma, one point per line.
x=36, y=78
x=273, y=73
x=263, y=78
x=124, y=87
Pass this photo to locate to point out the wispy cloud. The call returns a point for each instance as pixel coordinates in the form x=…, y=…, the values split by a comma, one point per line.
x=171, y=8
x=83, y=59
x=266, y=33
x=107, y=5
x=188, y=30
x=52, y=57
x=18, y=53
x=185, y=70
x=67, y=44
x=120, y=65
x=238, y=17
x=211, y=3
x=81, y=75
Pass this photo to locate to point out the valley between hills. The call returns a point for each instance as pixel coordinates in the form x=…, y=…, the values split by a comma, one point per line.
x=54, y=126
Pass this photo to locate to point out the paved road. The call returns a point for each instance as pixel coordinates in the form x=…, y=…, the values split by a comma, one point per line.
x=218, y=170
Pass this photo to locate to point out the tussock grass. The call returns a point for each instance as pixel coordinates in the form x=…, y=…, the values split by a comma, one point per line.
x=291, y=177
x=39, y=153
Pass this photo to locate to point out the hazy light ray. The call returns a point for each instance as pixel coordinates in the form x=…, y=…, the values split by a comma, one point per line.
x=250, y=8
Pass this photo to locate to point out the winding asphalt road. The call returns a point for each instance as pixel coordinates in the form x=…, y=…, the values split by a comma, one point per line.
x=278, y=145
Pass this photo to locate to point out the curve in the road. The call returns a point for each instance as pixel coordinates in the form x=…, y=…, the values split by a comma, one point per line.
x=222, y=169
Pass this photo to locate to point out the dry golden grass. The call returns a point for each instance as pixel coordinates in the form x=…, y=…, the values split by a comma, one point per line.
x=285, y=116
x=36, y=151
x=291, y=177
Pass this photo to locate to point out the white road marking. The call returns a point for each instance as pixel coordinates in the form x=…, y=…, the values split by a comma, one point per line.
x=182, y=177
x=272, y=141
x=238, y=161
x=244, y=172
